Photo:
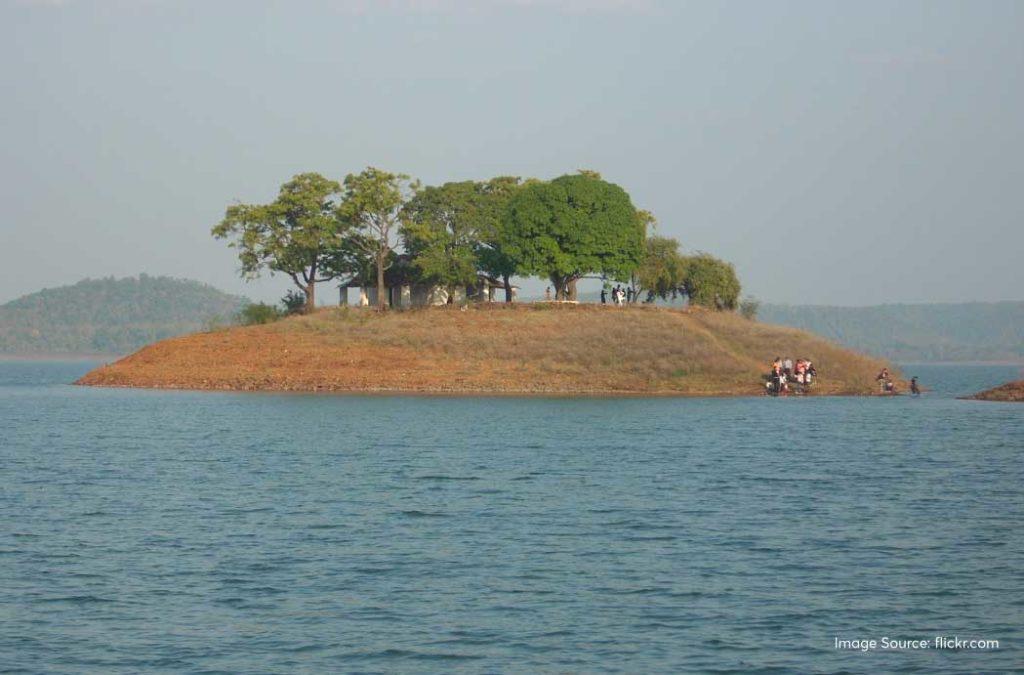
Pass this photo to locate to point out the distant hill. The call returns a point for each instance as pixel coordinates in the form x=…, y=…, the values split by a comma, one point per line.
x=110, y=316
x=974, y=331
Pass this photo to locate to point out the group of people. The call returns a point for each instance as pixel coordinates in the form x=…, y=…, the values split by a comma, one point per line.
x=785, y=371
x=886, y=385
x=620, y=295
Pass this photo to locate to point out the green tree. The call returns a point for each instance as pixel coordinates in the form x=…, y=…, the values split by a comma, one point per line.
x=298, y=234
x=373, y=202
x=572, y=226
x=648, y=222
x=662, y=273
x=711, y=282
x=441, y=230
x=491, y=255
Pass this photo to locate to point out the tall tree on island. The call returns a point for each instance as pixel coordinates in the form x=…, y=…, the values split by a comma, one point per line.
x=299, y=234
x=440, y=229
x=491, y=254
x=570, y=227
x=662, y=274
x=373, y=202
x=454, y=230
x=710, y=282
x=648, y=222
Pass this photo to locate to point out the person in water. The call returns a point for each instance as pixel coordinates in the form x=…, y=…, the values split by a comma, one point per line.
x=914, y=389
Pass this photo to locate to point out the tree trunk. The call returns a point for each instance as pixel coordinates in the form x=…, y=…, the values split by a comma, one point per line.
x=310, y=297
x=559, y=284
x=508, y=287
x=572, y=289
x=381, y=300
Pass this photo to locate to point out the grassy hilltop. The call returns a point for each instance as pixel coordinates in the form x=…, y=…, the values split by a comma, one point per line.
x=538, y=348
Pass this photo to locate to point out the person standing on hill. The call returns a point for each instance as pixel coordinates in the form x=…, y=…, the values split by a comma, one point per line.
x=547, y=294
x=604, y=296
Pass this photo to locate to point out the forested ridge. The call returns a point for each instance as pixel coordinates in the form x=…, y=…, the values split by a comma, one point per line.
x=973, y=331
x=111, y=316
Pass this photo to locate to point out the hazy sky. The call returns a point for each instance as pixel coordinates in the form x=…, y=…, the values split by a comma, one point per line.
x=841, y=153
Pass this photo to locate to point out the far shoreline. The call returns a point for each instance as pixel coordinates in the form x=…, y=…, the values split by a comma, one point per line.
x=472, y=393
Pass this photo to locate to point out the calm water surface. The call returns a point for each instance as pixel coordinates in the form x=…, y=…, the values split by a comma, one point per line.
x=203, y=532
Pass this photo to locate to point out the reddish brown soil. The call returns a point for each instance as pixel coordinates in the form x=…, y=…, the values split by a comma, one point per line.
x=542, y=349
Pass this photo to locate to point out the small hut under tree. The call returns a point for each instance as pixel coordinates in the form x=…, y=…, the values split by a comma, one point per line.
x=406, y=288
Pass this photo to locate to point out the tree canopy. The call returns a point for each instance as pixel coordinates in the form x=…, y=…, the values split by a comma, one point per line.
x=574, y=226
x=710, y=282
x=299, y=234
x=662, y=274
x=372, y=204
x=441, y=227
x=492, y=257
x=570, y=227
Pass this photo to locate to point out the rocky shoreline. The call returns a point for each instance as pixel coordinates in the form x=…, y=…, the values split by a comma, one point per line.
x=1009, y=392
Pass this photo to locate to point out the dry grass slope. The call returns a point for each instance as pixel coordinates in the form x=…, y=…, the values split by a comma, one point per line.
x=539, y=348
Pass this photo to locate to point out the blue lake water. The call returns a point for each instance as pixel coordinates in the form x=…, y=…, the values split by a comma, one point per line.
x=147, y=531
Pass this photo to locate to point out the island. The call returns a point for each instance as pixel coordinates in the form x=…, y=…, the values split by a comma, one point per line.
x=1011, y=391
x=494, y=348
x=431, y=261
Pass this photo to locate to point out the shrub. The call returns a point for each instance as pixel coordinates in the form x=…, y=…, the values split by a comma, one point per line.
x=294, y=302
x=749, y=307
x=259, y=313
x=711, y=282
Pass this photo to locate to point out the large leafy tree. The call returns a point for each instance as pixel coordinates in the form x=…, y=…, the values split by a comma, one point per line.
x=454, y=230
x=373, y=202
x=662, y=273
x=440, y=230
x=492, y=257
x=570, y=227
x=299, y=234
x=648, y=222
x=711, y=282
